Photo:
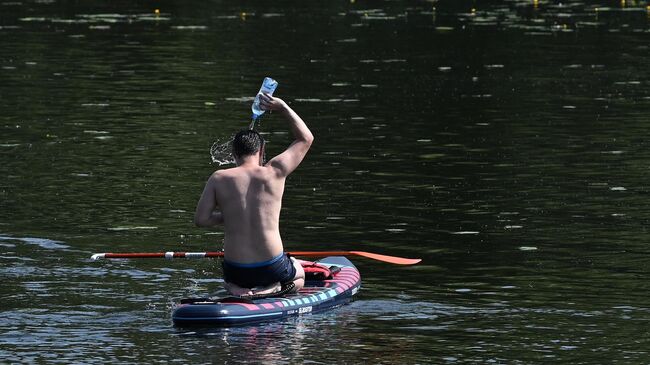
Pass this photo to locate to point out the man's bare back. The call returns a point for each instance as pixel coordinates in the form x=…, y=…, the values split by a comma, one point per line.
x=250, y=198
x=247, y=199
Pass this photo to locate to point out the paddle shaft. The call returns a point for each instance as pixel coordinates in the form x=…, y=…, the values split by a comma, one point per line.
x=172, y=255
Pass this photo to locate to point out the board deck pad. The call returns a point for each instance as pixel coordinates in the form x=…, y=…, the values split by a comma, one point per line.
x=316, y=296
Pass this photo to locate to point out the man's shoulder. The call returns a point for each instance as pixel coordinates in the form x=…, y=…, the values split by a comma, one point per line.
x=263, y=172
x=225, y=172
x=220, y=174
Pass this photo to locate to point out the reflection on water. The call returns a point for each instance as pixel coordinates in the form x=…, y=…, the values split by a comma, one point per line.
x=41, y=242
x=502, y=142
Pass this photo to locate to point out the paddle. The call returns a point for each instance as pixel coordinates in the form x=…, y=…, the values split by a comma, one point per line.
x=171, y=255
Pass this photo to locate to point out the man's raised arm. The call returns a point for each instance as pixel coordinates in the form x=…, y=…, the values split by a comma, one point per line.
x=288, y=160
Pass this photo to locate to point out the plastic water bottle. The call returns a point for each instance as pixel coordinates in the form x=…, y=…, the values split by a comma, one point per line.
x=268, y=86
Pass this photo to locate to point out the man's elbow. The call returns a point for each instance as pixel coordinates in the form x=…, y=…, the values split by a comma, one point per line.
x=309, y=139
x=199, y=222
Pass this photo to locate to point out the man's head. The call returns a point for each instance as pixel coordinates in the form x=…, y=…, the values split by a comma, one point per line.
x=247, y=143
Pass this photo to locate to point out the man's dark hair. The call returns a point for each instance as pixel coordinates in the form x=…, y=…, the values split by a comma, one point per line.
x=246, y=143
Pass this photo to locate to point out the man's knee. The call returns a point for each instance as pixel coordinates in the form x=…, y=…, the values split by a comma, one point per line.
x=300, y=272
x=299, y=278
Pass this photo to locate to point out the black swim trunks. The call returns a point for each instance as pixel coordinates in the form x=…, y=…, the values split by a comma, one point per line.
x=278, y=269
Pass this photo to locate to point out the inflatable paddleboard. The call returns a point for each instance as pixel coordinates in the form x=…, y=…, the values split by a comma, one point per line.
x=319, y=294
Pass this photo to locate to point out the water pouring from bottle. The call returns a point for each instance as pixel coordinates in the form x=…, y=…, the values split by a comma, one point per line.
x=221, y=151
x=268, y=87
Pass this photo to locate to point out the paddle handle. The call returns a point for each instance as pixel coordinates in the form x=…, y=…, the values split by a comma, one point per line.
x=148, y=255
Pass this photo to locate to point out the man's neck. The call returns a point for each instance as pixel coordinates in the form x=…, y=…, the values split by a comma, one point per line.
x=249, y=161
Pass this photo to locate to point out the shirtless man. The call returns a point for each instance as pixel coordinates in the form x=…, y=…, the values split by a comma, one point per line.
x=247, y=200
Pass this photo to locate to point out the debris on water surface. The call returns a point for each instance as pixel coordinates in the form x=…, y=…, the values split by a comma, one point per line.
x=124, y=228
x=527, y=248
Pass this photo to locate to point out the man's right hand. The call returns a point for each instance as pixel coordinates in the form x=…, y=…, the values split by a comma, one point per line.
x=268, y=102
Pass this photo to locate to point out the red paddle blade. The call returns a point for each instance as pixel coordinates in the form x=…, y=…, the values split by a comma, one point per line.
x=391, y=259
x=375, y=256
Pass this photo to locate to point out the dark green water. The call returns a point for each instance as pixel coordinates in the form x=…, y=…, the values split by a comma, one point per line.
x=503, y=142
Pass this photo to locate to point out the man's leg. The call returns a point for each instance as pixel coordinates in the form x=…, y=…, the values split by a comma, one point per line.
x=236, y=290
x=270, y=289
x=299, y=279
